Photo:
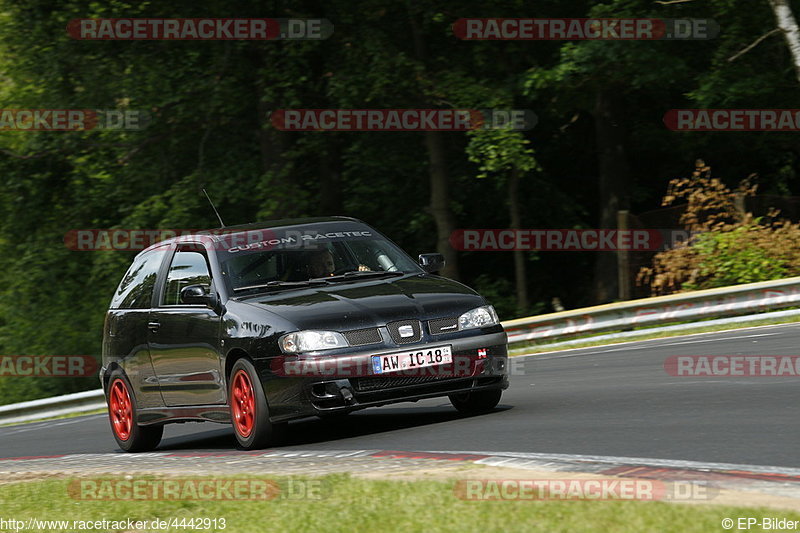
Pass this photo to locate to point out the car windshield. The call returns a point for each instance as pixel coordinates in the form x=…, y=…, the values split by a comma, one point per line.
x=280, y=262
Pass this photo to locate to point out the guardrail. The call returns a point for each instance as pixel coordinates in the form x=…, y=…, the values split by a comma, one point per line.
x=80, y=402
x=710, y=303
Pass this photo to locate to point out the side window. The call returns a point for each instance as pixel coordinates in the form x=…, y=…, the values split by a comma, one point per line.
x=135, y=291
x=189, y=267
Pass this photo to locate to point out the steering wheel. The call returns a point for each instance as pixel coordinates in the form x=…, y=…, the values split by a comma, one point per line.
x=342, y=270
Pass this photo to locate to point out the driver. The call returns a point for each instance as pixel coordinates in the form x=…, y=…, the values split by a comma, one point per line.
x=321, y=264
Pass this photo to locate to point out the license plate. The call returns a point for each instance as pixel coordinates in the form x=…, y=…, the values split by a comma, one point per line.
x=399, y=361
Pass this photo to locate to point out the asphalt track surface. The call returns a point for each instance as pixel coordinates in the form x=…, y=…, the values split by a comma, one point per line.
x=611, y=400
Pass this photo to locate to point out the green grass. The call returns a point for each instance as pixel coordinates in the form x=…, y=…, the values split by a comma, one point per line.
x=532, y=348
x=350, y=504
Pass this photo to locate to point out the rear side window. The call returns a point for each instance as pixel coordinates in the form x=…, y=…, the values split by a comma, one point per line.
x=189, y=267
x=135, y=291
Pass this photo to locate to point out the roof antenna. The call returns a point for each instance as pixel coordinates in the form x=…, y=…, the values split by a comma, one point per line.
x=221, y=223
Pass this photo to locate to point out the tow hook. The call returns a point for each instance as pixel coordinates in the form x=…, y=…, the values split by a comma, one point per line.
x=347, y=394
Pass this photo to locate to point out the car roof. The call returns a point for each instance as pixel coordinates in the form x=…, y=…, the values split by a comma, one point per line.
x=215, y=235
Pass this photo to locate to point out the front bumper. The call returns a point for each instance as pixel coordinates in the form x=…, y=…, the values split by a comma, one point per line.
x=346, y=382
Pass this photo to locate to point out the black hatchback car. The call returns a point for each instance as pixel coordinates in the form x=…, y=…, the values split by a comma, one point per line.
x=257, y=325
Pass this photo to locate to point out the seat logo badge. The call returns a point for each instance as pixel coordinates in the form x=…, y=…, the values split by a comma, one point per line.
x=405, y=331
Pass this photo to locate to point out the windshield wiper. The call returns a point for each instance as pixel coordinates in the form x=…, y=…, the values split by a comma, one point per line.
x=316, y=282
x=283, y=285
x=357, y=274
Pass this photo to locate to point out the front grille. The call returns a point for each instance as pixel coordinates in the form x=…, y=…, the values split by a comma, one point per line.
x=380, y=383
x=443, y=325
x=395, y=329
x=360, y=337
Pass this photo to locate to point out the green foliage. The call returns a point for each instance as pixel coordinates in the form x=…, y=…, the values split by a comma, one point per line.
x=500, y=151
x=731, y=259
x=729, y=247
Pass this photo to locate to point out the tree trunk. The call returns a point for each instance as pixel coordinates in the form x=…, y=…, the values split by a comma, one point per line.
x=271, y=145
x=788, y=25
x=280, y=187
x=520, y=275
x=440, y=201
x=614, y=179
x=437, y=168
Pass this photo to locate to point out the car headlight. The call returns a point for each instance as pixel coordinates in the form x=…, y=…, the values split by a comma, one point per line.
x=480, y=317
x=310, y=341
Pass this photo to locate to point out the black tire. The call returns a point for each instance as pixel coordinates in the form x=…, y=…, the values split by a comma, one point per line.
x=477, y=401
x=122, y=409
x=253, y=431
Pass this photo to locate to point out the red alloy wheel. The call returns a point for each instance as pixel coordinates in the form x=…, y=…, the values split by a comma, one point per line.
x=120, y=409
x=243, y=404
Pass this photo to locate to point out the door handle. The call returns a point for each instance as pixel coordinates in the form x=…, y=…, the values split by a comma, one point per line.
x=153, y=326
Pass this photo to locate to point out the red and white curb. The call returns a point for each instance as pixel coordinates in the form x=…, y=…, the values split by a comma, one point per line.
x=778, y=481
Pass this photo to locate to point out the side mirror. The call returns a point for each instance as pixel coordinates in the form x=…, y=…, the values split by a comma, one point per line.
x=196, y=294
x=431, y=263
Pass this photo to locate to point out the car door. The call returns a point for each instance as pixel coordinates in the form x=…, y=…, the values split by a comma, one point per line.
x=125, y=332
x=184, y=338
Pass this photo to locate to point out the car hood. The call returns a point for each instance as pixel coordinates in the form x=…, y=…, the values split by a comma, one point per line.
x=368, y=303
